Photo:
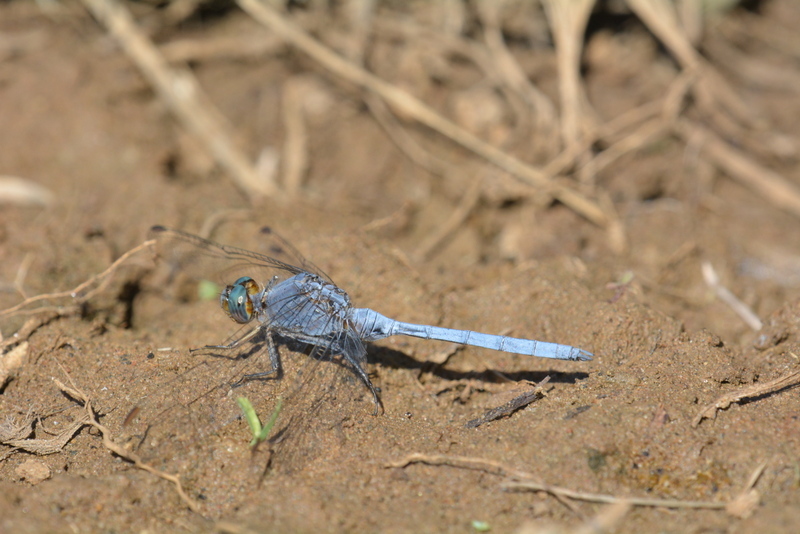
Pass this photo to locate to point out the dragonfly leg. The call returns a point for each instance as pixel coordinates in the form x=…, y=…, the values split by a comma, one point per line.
x=234, y=344
x=274, y=360
x=362, y=374
x=339, y=348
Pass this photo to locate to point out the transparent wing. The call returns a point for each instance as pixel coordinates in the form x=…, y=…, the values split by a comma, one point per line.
x=203, y=259
x=274, y=245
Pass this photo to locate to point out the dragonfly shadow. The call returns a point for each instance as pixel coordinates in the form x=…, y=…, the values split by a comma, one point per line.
x=395, y=359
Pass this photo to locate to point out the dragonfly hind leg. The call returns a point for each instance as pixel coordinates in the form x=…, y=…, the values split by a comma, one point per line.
x=375, y=398
x=362, y=374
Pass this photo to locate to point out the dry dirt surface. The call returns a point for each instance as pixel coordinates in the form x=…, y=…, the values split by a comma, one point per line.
x=616, y=176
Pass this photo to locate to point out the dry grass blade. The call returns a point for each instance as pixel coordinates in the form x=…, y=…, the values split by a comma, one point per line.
x=756, y=390
x=181, y=92
x=412, y=107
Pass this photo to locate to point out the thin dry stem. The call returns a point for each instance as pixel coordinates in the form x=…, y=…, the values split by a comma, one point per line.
x=500, y=73
x=406, y=143
x=646, y=134
x=294, y=160
x=211, y=48
x=538, y=107
x=11, y=361
x=711, y=89
x=23, y=192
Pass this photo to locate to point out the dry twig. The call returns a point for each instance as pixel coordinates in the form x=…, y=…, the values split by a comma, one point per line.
x=756, y=390
x=511, y=406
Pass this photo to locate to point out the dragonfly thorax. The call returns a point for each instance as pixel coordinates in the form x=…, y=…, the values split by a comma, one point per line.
x=306, y=304
x=236, y=299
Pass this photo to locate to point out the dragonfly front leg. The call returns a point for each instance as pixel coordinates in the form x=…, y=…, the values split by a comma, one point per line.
x=274, y=360
x=234, y=344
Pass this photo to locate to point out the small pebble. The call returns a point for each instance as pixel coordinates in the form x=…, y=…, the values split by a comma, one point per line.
x=33, y=471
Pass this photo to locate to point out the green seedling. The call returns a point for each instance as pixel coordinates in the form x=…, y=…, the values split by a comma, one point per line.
x=260, y=433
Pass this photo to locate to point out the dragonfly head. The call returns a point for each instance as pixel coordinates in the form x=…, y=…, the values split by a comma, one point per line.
x=235, y=299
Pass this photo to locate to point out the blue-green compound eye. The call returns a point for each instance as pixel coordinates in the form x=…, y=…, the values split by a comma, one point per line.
x=235, y=299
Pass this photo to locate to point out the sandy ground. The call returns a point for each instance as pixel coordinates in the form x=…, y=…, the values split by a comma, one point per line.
x=81, y=121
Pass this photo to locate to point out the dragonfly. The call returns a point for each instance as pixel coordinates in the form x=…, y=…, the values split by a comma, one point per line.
x=302, y=304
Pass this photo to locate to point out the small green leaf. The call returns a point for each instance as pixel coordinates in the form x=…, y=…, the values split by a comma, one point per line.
x=250, y=416
x=259, y=433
